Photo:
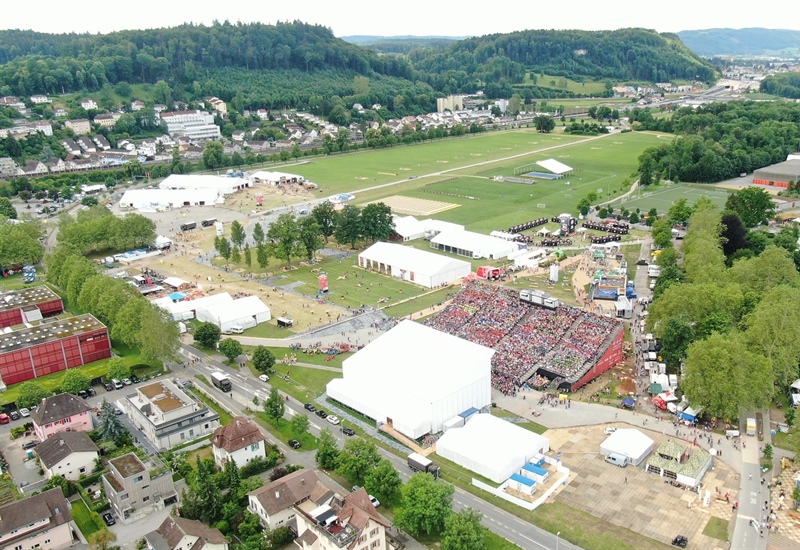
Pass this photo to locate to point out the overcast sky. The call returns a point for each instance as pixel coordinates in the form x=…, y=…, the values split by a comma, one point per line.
x=402, y=17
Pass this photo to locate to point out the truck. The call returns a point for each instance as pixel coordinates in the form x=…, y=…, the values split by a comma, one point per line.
x=751, y=426
x=539, y=298
x=221, y=380
x=188, y=226
x=419, y=463
x=488, y=272
x=653, y=271
x=630, y=291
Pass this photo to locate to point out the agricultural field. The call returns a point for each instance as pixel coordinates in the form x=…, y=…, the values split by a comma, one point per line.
x=594, y=87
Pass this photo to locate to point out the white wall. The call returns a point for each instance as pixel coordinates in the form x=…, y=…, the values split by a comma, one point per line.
x=70, y=466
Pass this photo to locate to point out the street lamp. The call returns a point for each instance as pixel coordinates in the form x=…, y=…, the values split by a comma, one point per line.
x=557, y=535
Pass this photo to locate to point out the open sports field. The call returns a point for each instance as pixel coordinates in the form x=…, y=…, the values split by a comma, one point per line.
x=663, y=197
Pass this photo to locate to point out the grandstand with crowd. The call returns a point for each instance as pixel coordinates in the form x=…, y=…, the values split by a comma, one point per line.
x=562, y=348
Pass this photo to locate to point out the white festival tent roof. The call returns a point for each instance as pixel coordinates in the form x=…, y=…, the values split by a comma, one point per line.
x=415, y=260
x=631, y=443
x=246, y=312
x=554, y=166
x=185, y=308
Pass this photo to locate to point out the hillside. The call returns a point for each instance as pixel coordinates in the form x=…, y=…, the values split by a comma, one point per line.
x=744, y=42
x=402, y=44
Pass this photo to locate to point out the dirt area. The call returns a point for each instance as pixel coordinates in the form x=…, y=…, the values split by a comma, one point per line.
x=632, y=498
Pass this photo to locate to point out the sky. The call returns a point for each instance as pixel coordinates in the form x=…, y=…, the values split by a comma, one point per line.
x=402, y=17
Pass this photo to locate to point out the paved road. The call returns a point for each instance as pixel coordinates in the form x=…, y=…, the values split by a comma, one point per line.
x=752, y=497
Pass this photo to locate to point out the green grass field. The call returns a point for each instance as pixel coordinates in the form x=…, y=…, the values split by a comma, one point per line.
x=661, y=198
x=556, y=82
x=83, y=518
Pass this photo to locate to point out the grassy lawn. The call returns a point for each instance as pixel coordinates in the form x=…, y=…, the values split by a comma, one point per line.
x=304, y=382
x=283, y=432
x=202, y=453
x=716, y=528
x=300, y=357
x=225, y=417
x=561, y=83
x=420, y=303
x=661, y=197
x=270, y=329
x=528, y=425
x=496, y=542
x=83, y=518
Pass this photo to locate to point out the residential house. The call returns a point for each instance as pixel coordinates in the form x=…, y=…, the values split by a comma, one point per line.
x=177, y=533
x=80, y=126
x=167, y=415
x=159, y=107
x=238, y=135
x=68, y=454
x=147, y=148
x=7, y=166
x=39, y=521
x=350, y=522
x=275, y=502
x=88, y=104
x=241, y=441
x=39, y=99
x=61, y=413
x=134, y=490
x=56, y=165
x=137, y=105
x=106, y=120
x=13, y=102
x=60, y=111
x=218, y=105
x=44, y=127
x=71, y=146
x=87, y=145
x=101, y=142
x=32, y=168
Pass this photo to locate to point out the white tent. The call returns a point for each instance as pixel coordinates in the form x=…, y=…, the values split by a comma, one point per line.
x=631, y=443
x=415, y=378
x=168, y=198
x=273, y=178
x=473, y=245
x=222, y=185
x=415, y=266
x=244, y=312
x=543, y=231
x=491, y=447
x=187, y=309
x=409, y=227
x=175, y=282
x=552, y=165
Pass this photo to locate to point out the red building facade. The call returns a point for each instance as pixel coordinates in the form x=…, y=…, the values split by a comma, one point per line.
x=612, y=356
x=28, y=304
x=52, y=346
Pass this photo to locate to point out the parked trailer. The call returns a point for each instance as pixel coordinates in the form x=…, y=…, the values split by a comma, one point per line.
x=221, y=380
x=419, y=463
x=539, y=298
x=188, y=226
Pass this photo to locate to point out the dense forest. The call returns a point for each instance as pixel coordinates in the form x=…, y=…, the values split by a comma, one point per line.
x=782, y=85
x=196, y=59
x=752, y=41
x=719, y=141
x=402, y=44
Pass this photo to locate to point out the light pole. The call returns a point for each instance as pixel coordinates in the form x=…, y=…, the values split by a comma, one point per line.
x=557, y=535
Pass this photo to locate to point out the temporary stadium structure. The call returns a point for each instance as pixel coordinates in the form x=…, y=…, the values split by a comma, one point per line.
x=222, y=185
x=245, y=313
x=554, y=166
x=187, y=309
x=473, y=245
x=630, y=443
x=491, y=447
x=415, y=266
x=415, y=378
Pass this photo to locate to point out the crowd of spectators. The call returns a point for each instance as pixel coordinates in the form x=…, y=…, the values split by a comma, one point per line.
x=533, y=345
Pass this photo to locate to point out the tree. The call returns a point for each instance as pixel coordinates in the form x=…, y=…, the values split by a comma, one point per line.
x=75, y=381
x=31, y=394
x=89, y=201
x=426, y=505
x=213, y=155
x=348, y=226
x=299, y=425
x=102, y=539
x=248, y=257
x=383, y=481
x=283, y=235
x=327, y=451
x=18, y=246
x=274, y=406
x=668, y=257
x=774, y=267
x=223, y=246
x=258, y=233
x=158, y=335
x=7, y=209
x=675, y=339
x=722, y=376
x=233, y=477
x=662, y=233
x=679, y=212
x=263, y=359
x=356, y=459
x=209, y=496
x=109, y=425
x=734, y=234
x=310, y=236
x=237, y=233
x=230, y=348
x=262, y=255
x=207, y=335
x=325, y=215
x=127, y=328
x=376, y=221
x=117, y=368
x=754, y=206
x=463, y=531
x=544, y=123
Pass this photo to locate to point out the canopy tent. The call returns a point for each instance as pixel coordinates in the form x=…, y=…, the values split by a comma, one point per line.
x=415, y=378
x=655, y=389
x=186, y=309
x=221, y=185
x=543, y=231
x=628, y=403
x=176, y=283
x=245, y=313
x=630, y=443
x=415, y=266
x=177, y=296
x=552, y=165
x=473, y=245
x=510, y=449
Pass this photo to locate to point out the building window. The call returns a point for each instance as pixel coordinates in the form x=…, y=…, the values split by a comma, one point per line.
x=254, y=447
x=145, y=499
x=191, y=433
x=183, y=436
x=124, y=496
x=18, y=547
x=138, y=479
x=206, y=426
x=82, y=470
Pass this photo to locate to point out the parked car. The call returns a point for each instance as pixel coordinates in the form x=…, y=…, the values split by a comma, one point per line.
x=13, y=415
x=30, y=444
x=310, y=407
x=134, y=379
x=263, y=377
x=126, y=381
x=109, y=519
x=610, y=430
x=680, y=541
x=294, y=444
x=118, y=412
x=24, y=412
x=83, y=394
x=348, y=431
x=117, y=384
x=91, y=392
x=108, y=386
x=320, y=413
x=375, y=502
x=333, y=419
x=641, y=262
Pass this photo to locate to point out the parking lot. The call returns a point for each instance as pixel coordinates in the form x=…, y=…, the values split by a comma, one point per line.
x=634, y=499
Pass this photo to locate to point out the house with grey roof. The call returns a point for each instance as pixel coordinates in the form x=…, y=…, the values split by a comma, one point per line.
x=68, y=454
x=274, y=503
x=39, y=521
x=61, y=413
x=177, y=533
x=135, y=489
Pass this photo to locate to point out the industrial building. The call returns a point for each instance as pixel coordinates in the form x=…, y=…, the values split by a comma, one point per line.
x=778, y=175
x=50, y=346
x=415, y=378
x=195, y=125
x=27, y=305
x=415, y=266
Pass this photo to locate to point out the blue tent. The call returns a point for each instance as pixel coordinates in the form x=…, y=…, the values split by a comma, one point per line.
x=628, y=403
x=177, y=296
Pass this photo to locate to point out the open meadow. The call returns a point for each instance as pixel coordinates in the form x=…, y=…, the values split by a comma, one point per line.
x=662, y=197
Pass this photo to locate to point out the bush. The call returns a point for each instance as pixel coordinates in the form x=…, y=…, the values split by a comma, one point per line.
x=259, y=465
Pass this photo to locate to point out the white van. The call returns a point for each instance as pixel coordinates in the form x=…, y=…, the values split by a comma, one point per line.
x=117, y=384
x=617, y=459
x=235, y=330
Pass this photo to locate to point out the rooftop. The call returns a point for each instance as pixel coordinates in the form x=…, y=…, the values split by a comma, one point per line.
x=240, y=433
x=57, y=447
x=48, y=330
x=14, y=299
x=48, y=506
x=58, y=407
x=164, y=396
x=128, y=465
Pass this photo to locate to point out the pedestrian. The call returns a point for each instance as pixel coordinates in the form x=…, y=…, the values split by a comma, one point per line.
x=626, y=479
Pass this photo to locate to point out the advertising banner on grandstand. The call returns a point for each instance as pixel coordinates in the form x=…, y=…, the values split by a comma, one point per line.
x=554, y=273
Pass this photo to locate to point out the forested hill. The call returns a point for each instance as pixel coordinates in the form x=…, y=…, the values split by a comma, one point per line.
x=36, y=63
x=752, y=41
x=625, y=54
x=402, y=44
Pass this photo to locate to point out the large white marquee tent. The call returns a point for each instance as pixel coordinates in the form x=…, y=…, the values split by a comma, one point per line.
x=187, y=309
x=415, y=378
x=245, y=313
x=415, y=266
x=473, y=245
x=222, y=185
x=631, y=443
x=491, y=447
x=147, y=199
x=554, y=166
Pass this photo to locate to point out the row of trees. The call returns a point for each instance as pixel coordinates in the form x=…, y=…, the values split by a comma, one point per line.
x=97, y=229
x=19, y=243
x=132, y=320
x=730, y=312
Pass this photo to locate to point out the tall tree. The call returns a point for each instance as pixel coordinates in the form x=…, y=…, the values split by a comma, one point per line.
x=356, y=459
x=274, y=406
x=299, y=425
x=348, y=226
x=230, y=348
x=376, y=221
x=109, y=425
x=325, y=215
x=237, y=233
x=258, y=233
x=383, y=481
x=283, y=234
x=327, y=451
x=207, y=335
x=74, y=381
x=310, y=237
x=7, y=209
x=734, y=234
x=426, y=505
x=208, y=492
x=675, y=339
x=463, y=531
x=31, y=394
x=213, y=155
x=754, y=206
x=262, y=255
x=263, y=359
x=102, y=540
